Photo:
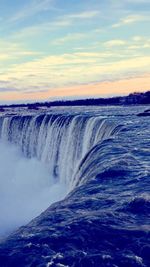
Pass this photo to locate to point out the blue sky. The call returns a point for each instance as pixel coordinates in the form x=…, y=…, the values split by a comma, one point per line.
x=60, y=48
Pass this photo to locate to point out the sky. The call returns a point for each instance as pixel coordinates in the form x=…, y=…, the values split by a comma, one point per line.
x=54, y=49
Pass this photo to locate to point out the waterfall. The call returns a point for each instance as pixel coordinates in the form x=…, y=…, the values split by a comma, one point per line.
x=59, y=140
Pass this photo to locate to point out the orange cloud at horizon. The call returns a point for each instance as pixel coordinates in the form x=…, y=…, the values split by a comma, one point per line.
x=124, y=86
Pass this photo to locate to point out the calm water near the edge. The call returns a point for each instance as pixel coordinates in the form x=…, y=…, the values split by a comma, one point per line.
x=99, y=158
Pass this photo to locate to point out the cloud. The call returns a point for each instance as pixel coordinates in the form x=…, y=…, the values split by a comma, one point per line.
x=69, y=38
x=6, y=86
x=15, y=51
x=137, y=38
x=32, y=9
x=4, y=57
x=38, y=6
x=84, y=15
x=61, y=70
x=130, y=20
x=137, y=1
x=140, y=42
x=59, y=22
x=49, y=75
x=113, y=43
x=8, y=89
x=82, y=90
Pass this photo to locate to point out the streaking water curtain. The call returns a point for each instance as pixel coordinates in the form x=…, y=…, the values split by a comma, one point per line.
x=74, y=133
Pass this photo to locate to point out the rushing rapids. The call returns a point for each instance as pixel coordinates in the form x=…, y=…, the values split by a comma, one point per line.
x=102, y=156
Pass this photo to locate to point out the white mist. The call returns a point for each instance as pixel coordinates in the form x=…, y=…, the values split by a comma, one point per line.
x=26, y=188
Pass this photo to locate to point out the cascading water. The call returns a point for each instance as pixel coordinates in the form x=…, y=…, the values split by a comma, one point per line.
x=56, y=142
x=61, y=141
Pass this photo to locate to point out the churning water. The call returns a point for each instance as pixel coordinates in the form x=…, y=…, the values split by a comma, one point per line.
x=99, y=159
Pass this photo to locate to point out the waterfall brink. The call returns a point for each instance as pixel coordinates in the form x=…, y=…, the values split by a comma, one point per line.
x=59, y=140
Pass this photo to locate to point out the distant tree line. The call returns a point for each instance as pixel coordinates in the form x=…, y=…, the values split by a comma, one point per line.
x=132, y=99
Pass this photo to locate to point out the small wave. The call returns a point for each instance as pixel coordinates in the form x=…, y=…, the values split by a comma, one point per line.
x=139, y=204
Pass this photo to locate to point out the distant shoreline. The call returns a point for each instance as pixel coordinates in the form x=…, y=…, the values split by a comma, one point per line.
x=132, y=99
